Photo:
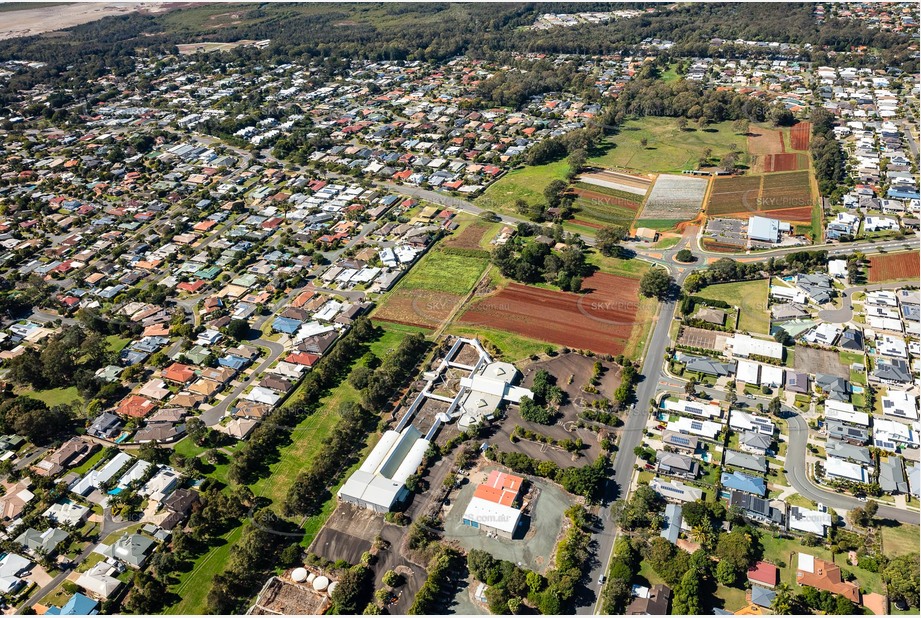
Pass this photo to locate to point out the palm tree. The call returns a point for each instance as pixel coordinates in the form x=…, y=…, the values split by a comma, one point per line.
x=784, y=601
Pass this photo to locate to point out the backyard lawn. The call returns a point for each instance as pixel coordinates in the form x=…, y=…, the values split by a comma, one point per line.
x=668, y=148
x=786, y=550
x=750, y=296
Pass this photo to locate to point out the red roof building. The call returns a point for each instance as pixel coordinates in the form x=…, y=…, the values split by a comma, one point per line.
x=763, y=573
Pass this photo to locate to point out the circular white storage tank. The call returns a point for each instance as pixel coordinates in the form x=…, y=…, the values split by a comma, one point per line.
x=332, y=587
x=321, y=583
x=299, y=574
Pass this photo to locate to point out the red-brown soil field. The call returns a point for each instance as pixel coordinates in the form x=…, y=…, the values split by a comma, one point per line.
x=894, y=266
x=469, y=238
x=785, y=162
x=799, y=136
x=601, y=319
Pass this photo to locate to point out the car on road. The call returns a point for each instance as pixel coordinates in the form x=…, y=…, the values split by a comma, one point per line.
x=601, y=579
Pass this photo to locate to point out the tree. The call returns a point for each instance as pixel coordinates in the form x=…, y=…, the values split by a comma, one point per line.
x=684, y=255
x=775, y=406
x=686, y=599
x=576, y=161
x=553, y=192
x=902, y=577
x=740, y=126
x=737, y=548
x=644, y=142
x=656, y=283
x=681, y=123
x=238, y=329
x=608, y=239
x=784, y=602
x=726, y=574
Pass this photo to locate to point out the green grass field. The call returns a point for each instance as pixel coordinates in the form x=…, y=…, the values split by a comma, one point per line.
x=193, y=586
x=668, y=148
x=445, y=272
x=116, y=343
x=89, y=463
x=56, y=396
x=512, y=347
x=526, y=183
x=751, y=298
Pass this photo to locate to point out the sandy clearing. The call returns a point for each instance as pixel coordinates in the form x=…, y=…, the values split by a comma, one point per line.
x=29, y=22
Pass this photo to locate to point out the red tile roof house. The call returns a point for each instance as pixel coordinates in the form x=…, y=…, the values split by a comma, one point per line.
x=135, y=406
x=764, y=574
x=178, y=373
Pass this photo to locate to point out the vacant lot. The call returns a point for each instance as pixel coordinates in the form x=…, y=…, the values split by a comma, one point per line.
x=668, y=148
x=703, y=338
x=428, y=294
x=762, y=141
x=894, y=266
x=602, y=319
x=471, y=236
x=675, y=197
x=751, y=297
x=526, y=183
x=811, y=360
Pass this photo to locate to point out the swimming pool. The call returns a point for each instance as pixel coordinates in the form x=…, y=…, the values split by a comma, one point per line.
x=115, y=491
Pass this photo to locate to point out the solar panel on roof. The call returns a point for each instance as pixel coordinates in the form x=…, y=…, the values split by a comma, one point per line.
x=697, y=425
x=680, y=440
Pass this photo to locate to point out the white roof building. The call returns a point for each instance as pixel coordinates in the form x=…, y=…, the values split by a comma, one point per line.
x=845, y=412
x=704, y=429
x=772, y=375
x=808, y=520
x=675, y=490
x=842, y=469
x=696, y=408
x=746, y=346
x=901, y=404
x=837, y=268
x=889, y=434
x=748, y=372
x=493, y=515
x=379, y=482
x=743, y=421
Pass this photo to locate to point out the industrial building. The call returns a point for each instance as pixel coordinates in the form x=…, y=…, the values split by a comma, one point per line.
x=492, y=509
x=379, y=483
